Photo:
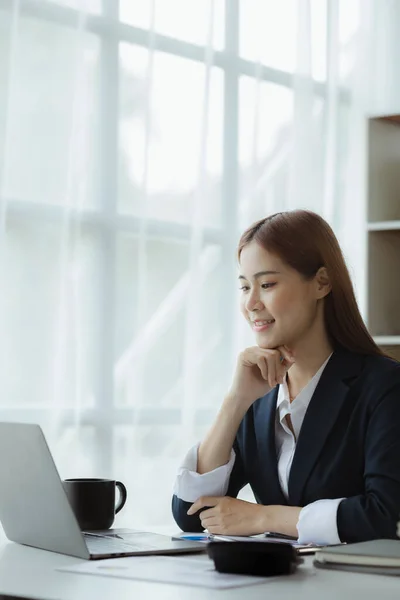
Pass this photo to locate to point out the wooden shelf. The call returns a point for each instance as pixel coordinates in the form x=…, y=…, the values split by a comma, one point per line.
x=387, y=340
x=384, y=226
x=384, y=169
x=391, y=118
x=383, y=232
x=393, y=351
x=390, y=344
x=384, y=282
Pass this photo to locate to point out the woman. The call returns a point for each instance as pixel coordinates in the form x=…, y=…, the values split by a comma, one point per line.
x=312, y=418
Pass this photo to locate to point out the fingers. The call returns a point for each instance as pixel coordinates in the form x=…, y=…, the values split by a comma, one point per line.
x=208, y=519
x=212, y=527
x=267, y=366
x=212, y=519
x=280, y=361
x=208, y=513
x=273, y=363
x=207, y=501
x=272, y=370
x=262, y=365
x=270, y=366
x=287, y=354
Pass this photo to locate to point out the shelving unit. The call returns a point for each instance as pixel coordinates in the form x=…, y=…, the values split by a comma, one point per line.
x=383, y=231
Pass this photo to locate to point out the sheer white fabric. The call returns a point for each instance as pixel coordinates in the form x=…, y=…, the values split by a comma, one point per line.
x=134, y=148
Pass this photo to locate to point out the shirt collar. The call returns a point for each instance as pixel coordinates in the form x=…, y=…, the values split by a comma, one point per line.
x=302, y=400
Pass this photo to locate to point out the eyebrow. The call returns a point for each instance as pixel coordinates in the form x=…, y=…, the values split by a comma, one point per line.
x=260, y=274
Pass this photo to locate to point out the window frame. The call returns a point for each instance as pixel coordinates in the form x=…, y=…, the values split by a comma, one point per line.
x=109, y=224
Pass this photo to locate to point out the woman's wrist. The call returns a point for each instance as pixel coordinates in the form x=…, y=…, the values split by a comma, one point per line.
x=237, y=403
x=267, y=518
x=234, y=408
x=282, y=519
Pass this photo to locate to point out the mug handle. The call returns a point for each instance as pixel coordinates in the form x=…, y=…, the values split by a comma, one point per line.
x=122, y=496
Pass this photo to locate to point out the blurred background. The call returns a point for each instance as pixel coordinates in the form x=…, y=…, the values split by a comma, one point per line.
x=138, y=138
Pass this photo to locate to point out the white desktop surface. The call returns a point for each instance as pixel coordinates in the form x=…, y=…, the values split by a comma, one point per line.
x=31, y=572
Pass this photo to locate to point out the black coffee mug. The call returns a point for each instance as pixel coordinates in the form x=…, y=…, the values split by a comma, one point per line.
x=93, y=501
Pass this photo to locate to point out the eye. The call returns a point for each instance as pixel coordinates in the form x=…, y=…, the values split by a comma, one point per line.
x=266, y=286
x=244, y=288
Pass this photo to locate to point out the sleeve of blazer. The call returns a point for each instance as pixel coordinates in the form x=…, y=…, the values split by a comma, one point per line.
x=375, y=513
x=237, y=481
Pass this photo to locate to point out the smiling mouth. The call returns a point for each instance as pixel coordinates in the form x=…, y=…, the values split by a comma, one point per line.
x=262, y=325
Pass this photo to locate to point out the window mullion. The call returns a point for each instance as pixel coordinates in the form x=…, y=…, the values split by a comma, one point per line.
x=230, y=193
x=107, y=194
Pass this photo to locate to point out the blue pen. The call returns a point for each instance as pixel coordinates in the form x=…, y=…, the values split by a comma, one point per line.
x=194, y=538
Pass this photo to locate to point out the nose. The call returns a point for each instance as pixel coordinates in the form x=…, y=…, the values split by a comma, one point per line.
x=253, y=301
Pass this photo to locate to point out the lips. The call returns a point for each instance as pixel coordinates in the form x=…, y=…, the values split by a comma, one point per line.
x=262, y=324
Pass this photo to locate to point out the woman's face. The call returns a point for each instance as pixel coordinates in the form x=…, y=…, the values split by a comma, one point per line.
x=277, y=301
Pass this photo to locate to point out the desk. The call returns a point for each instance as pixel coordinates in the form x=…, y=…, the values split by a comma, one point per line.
x=31, y=572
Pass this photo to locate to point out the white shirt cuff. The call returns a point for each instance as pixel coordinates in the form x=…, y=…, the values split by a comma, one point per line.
x=190, y=485
x=317, y=522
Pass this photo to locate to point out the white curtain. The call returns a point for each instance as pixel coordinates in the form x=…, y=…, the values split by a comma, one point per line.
x=137, y=140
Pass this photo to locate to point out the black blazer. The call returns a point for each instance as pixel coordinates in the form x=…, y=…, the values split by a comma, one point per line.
x=348, y=447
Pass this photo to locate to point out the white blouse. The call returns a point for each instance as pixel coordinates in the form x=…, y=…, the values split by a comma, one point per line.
x=317, y=521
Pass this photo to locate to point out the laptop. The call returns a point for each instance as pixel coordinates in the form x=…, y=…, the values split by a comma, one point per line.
x=35, y=511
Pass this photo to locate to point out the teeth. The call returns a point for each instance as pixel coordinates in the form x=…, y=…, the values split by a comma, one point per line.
x=257, y=323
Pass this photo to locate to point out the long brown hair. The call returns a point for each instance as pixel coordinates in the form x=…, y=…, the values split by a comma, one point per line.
x=306, y=242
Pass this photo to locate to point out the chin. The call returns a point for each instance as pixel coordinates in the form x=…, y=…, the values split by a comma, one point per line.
x=267, y=343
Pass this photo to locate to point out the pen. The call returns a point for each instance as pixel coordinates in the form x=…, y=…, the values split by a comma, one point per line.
x=282, y=536
x=194, y=538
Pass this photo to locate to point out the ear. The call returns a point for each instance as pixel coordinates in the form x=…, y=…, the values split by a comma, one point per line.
x=322, y=283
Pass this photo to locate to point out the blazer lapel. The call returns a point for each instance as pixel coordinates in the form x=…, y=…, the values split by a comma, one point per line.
x=320, y=417
x=264, y=425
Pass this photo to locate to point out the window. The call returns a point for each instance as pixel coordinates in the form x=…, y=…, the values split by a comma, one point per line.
x=131, y=159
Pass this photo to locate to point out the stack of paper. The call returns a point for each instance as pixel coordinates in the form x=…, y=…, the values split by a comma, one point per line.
x=191, y=571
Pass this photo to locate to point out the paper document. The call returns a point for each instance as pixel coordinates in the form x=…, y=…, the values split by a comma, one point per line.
x=191, y=571
x=301, y=548
x=252, y=538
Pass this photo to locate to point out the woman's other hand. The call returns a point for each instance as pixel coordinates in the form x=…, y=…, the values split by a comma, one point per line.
x=224, y=515
x=258, y=370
